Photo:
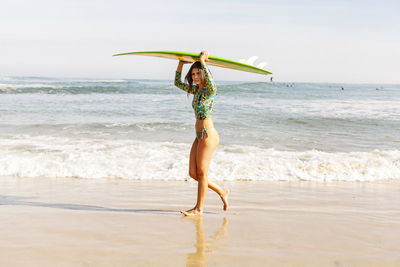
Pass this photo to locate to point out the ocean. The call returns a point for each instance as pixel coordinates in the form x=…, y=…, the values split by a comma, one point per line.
x=143, y=130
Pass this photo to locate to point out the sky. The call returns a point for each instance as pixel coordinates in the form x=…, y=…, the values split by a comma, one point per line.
x=303, y=41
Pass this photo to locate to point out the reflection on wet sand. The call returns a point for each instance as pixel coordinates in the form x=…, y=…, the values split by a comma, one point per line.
x=203, y=247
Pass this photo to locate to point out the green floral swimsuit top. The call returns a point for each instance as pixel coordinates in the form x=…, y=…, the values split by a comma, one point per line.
x=203, y=100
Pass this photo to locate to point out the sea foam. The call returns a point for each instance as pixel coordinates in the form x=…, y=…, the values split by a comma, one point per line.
x=26, y=156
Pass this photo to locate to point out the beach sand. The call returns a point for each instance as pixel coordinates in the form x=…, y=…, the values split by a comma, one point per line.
x=112, y=222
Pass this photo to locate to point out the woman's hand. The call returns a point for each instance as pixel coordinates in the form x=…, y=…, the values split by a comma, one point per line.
x=203, y=57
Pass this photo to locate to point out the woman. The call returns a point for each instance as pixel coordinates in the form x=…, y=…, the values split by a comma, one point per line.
x=207, y=139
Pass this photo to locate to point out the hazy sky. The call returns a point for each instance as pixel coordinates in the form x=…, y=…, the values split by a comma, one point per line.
x=316, y=41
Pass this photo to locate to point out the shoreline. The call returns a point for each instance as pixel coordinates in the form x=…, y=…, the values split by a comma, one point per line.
x=103, y=222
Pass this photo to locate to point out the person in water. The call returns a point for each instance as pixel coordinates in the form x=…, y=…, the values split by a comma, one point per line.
x=207, y=139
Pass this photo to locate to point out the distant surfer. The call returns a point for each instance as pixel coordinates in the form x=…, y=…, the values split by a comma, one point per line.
x=207, y=139
x=272, y=79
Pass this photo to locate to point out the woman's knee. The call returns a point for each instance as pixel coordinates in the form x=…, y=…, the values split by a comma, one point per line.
x=193, y=175
x=201, y=174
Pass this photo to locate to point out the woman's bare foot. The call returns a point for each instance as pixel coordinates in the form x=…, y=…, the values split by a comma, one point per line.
x=192, y=212
x=224, y=198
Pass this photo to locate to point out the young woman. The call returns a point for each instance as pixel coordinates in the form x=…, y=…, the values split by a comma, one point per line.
x=207, y=139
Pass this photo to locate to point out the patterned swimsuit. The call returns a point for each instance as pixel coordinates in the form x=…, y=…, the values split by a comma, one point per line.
x=203, y=100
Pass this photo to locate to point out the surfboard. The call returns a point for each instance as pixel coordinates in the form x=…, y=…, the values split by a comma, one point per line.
x=192, y=57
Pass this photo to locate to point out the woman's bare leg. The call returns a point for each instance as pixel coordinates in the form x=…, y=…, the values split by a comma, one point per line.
x=223, y=193
x=200, y=158
x=193, y=172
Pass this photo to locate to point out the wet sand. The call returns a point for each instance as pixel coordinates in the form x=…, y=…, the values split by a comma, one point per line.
x=104, y=222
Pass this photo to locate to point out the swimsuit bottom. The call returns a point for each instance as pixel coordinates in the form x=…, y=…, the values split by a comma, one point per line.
x=200, y=134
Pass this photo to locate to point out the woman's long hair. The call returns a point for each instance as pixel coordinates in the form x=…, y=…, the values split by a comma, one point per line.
x=188, y=77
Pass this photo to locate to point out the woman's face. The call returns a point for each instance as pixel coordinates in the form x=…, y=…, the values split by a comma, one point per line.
x=196, y=76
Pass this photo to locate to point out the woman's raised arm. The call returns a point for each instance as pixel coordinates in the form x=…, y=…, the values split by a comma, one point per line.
x=178, y=77
x=209, y=81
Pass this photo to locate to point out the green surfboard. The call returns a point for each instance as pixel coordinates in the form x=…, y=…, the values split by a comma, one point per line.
x=192, y=57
